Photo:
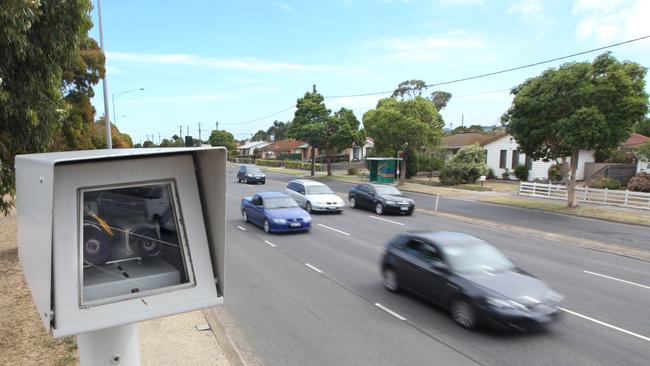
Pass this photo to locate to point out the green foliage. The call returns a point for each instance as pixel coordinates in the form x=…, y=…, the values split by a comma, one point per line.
x=558, y=172
x=465, y=167
x=278, y=130
x=505, y=174
x=590, y=106
x=412, y=165
x=222, y=138
x=642, y=127
x=268, y=162
x=521, y=172
x=644, y=151
x=310, y=121
x=297, y=164
x=341, y=131
x=605, y=182
x=353, y=170
x=440, y=99
x=490, y=174
x=260, y=135
x=464, y=129
x=38, y=41
x=640, y=183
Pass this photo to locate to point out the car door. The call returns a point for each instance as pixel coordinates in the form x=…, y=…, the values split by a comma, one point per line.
x=291, y=190
x=366, y=195
x=432, y=275
x=411, y=265
x=256, y=210
x=300, y=196
x=241, y=173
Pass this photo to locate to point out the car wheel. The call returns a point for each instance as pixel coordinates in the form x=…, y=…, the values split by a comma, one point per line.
x=244, y=215
x=463, y=314
x=353, y=202
x=379, y=208
x=263, y=182
x=308, y=207
x=246, y=181
x=267, y=226
x=390, y=280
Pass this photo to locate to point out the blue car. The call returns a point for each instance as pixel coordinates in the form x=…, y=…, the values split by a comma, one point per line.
x=275, y=212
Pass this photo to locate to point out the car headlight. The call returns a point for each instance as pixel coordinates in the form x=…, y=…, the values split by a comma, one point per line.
x=390, y=202
x=249, y=175
x=306, y=219
x=504, y=303
x=554, y=296
x=279, y=221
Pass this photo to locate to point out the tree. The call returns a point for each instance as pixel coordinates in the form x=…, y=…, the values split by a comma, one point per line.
x=440, y=99
x=642, y=127
x=38, y=40
x=278, y=130
x=403, y=125
x=643, y=151
x=341, y=131
x=465, y=167
x=463, y=129
x=409, y=89
x=222, y=138
x=590, y=106
x=309, y=122
x=260, y=135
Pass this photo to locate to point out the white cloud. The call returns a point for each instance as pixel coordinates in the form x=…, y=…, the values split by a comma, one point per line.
x=612, y=20
x=246, y=63
x=427, y=48
x=285, y=7
x=533, y=13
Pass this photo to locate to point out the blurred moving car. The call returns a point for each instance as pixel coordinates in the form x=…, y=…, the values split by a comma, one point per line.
x=275, y=212
x=250, y=174
x=471, y=278
x=380, y=198
x=314, y=196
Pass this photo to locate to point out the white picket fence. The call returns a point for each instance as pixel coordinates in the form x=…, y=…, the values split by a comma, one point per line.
x=585, y=194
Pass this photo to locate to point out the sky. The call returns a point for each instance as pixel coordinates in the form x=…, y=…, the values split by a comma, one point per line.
x=244, y=63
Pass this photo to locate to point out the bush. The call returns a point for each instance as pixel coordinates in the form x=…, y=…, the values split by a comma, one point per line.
x=268, y=162
x=521, y=172
x=353, y=170
x=557, y=172
x=302, y=165
x=506, y=174
x=464, y=167
x=640, y=183
x=605, y=182
x=490, y=174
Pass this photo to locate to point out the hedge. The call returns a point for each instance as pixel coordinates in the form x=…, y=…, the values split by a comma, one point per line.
x=289, y=164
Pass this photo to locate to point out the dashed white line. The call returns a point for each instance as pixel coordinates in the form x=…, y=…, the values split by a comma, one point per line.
x=382, y=307
x=617, y=279
x=314, y=268
x=241, y=228
x=269, y=243
x=647, y=339
x=333, y=229
x=387, y=220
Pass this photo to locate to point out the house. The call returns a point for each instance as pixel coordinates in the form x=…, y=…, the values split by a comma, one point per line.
x=356, y=153
x=630, y=145
x=286, y=150
x=502, y=154
x=250, y=147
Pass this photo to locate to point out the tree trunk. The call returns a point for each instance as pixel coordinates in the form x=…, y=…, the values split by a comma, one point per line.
x=571, y=187
x=313, y=161
x=329, y=162
x=402, y=173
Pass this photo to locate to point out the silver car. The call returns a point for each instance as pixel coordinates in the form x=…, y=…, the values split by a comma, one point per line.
x=314, y=196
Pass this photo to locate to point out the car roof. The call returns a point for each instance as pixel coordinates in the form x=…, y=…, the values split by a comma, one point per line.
x=249, y=166
x=447, y=238
x=272, y=194
x=308, y=182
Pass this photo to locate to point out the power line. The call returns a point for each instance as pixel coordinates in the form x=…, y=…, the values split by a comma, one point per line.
x=261, y=118
x=500, y=71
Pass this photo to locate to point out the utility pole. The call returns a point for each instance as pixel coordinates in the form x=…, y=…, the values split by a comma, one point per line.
x=109, y=140
x=462, y=120
x=180, y=131
x=188, y=130
x=314, y=88
x=217, y=124
x=199, y=131
x=158, y=138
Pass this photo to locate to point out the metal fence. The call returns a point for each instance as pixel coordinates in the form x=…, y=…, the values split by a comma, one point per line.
x=585, y=194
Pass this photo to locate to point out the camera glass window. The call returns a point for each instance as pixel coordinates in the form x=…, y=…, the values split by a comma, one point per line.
x=132, y=243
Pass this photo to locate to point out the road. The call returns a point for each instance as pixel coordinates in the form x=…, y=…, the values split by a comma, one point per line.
x=312, y=298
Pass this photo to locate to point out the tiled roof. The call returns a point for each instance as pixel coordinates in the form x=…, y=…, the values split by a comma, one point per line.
x=282, y=145
x=635, y=139
x=470, y=138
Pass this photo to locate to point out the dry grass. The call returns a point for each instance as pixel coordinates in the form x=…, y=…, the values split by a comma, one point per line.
x=606, y=213
x=23, y=340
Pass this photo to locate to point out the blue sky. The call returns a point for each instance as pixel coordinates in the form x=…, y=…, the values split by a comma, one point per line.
x=234, y=61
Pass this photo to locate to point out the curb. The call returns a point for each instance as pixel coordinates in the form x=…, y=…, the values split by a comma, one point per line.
x=230, y=351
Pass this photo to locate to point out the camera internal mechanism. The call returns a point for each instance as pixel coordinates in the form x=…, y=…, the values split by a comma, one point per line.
x=132, y=243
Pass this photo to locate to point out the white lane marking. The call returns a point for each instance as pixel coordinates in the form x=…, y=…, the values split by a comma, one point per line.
x=382, y=219
x=241, y=228
x=647, y=339
x=333, y=229
x=382, y=307
x=617, y=279
x=269, y=243
x=314, y=268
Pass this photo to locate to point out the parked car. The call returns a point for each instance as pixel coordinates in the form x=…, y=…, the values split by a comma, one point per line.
x=381, y=198
x=250, y=174
x=275, y=212
x=471, y=278
x=314, y=196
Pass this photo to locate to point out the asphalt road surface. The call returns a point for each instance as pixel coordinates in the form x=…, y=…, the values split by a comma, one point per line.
x=317, y=298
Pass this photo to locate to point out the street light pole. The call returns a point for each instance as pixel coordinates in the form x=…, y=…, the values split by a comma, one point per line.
x=107, y=122
x=116, y=95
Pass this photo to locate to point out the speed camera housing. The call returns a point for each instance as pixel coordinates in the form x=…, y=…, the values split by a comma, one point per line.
x=112, y=237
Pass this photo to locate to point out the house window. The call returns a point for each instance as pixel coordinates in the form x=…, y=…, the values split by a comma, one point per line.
x=515, y=158
x=485, y=156
x=502, y=159
x=529, y=162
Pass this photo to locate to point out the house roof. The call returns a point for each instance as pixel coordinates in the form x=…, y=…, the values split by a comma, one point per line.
x=254, y=144
x=634, y=140
x=288, y=144
x=470, y=138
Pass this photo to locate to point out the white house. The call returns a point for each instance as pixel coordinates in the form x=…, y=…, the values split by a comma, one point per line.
x=360, y=152
x=502, y=153
x=249, y=147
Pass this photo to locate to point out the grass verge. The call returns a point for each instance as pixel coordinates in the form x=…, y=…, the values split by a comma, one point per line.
x=604, y=213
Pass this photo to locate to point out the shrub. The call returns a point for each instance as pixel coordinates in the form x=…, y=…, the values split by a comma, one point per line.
x=557, y=172
x=506, y=174
x=640, y=183
x=521, y=172
x=490, y=174
x=605, y=182
x=268, y=162
x=464, y=167
x=353, y=170
x=411, y=164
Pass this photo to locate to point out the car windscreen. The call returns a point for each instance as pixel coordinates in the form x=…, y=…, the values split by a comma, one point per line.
x=476, y=258
x=254, y=169
x=388, y=190
x=318, y=190
x=271, y=203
